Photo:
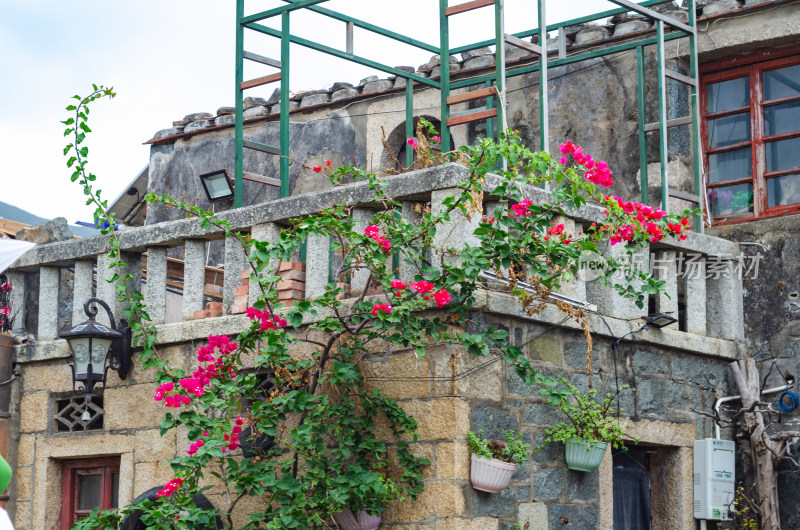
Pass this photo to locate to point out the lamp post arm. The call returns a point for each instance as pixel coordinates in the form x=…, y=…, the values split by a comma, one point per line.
x=91, y=311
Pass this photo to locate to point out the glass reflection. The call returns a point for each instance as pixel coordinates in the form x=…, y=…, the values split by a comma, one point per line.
x=729, y=130
x=782, y=82
x=783, y=154
x=730, y=165
x=731, y=200
x=728, y=95
x=783, y=190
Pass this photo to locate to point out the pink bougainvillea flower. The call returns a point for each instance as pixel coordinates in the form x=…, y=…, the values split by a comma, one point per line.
x=317, y=169
x=381, y=307
x=556, y=230
x=521, y=209
x=195, y=446
x=422, y=287
x=397, y=284
x=563, y=160
x=413, y=143
x=442, y=297
x=5, y=310
x=437, y=140
x=372, y=231
x=170, y=487
x=6, y=287
x=163, y=389
x=328, y=163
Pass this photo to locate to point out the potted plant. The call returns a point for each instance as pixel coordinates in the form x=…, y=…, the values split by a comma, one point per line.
x=365, y=504
x=590, y=429
x=494, y=462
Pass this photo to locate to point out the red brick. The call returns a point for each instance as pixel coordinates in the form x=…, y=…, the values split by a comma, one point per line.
x=241, y=290
x=294, y=275
x=206, y=313
x=214, y=306
x=245, y=274
x=291, y=294
x=238, y=308
x=284, y=285
x=292, y=265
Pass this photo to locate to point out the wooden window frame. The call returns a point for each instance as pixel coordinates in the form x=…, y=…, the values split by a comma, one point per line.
x=752, y=66
x=69, y=491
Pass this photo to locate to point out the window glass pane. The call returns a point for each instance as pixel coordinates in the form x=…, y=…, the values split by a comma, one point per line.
x=782, y=82
x=115, y=490
x=728, y=95
x=783, y=190
x=729, y=130
x=731, y=199
x=779, y=119
x=783, y=154
x=89, y=489
x=730, y=165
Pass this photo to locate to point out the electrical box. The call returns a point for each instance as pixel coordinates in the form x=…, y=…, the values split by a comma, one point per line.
x=714, y=479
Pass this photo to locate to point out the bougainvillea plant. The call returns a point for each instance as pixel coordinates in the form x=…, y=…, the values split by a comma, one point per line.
x=6, y=315
x=283, y=414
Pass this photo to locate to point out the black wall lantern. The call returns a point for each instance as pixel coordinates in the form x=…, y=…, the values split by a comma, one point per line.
x=92, y=343
x=659, y=321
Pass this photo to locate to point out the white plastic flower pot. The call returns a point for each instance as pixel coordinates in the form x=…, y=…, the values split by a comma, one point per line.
x=583, y=456
x=490, y=475
x=347, y=520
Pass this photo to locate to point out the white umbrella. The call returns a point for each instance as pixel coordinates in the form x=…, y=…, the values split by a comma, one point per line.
x=11, y=250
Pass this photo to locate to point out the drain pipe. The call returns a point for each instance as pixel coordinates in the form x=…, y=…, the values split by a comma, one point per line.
x=722, y=400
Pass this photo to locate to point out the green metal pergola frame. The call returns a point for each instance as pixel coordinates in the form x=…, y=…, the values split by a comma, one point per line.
x=667, y=29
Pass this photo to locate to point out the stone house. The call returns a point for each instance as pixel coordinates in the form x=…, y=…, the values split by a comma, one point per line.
x=722, y=315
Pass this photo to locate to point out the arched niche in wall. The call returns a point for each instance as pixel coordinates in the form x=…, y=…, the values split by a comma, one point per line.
x=133, y=522
x=398, y=143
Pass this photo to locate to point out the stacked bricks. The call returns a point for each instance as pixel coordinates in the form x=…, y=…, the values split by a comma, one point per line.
x=213, y=309
x=291, y=287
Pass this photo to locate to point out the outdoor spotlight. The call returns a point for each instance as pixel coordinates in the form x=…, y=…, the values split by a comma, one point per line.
x=659, y=320
x=92, y=344
x=217, y=184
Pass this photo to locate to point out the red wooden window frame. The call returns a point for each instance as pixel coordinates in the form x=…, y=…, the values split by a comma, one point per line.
x=70, y=470
x=752, y=66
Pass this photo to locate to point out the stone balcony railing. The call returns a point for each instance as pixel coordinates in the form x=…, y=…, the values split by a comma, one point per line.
x=711, y=320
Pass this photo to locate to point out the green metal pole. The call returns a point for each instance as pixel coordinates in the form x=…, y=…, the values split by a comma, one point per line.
x=641, y=94
x=699, y=188
x=239, y=122
x=544, y=112
x=409, y=120
x=444, y=69
x=500, y=61
x=662, y=118
x=284, y=130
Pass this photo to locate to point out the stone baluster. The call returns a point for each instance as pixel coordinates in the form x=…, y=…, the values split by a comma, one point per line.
x=407, y=270
x=194, y=277
x=107, y=291
x=608, y=301
x=17, y=280
x=81, y=289
x=234, y=265
x=694, y=273
x=570, y=228
x=452, y=234
x=664, y=269
x=155, y=298
x=724, y=309
x=360, y=276
x=268, y=233
x=318, y=253
x=48, y=303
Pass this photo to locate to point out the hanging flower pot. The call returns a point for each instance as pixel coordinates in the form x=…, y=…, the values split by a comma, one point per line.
x=347, y=520
x=490, y=475
x=584, y=456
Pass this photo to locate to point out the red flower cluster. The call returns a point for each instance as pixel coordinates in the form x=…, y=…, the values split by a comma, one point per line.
x=268, y=320
x=442, y=298
x=422, y=287
x=373, y=232
x=233, y=437
x=680, y=228
x=170, y=487
x=195, y=446
x=521, y=209
x=640, y=211
x=6, y=287
x=317, y=169
x=381, y=307
x=643, y=217
x=596, y=172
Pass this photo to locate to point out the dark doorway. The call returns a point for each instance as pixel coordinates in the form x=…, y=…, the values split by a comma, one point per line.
x=631, y=489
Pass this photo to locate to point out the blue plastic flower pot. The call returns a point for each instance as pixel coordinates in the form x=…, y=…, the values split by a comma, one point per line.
x=584, y=456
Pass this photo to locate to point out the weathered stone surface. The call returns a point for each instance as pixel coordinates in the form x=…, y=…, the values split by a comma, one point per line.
x=222, y=111
x=24, y=482
x=274, y=98
x=548, y=482
x=547, y=349
x=583, y=486
x=442, y=499
x=493, y=504
x=479, y=62
x=630, y=26
x=339, y=85
x=47, y=232
x=25, y=450
x=575, y=355
x=591, y=34
x=150, y=446
x=197, y=125
x=377, y=86
x=227, y=119
x=367, y=80
x=541, y=414
x=650, y=397
x=315, y=99
x=344, y=93
x=452, y=460
x=448, y=417
x=457, y=523
x=577, y=517
x=119, y=414
x=254, y=112
x=197, y=116
x=149, y=475
x=479, y=52
x=250, y=102
x=276, y=109
x=454, y=67
x=720, y=6
x=35, y=417
x=405, y=363
x=645, y=362
x=493, y=421
x=534, y=514
x=681, y=15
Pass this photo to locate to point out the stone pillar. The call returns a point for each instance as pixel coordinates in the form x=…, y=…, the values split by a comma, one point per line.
x=695, y=287
x=664, y=270
x=724, y=309
x=268, y=233
x=194, y=277
x=156, y=296
x=608, y=301
x=452, y=234
x=48, y=303
x=234, y=265
x=567, y=288
x=17, y=280
x=408, y=271
x=81, y=289
x=359, y=277
x=318, y=251
x=106, y=291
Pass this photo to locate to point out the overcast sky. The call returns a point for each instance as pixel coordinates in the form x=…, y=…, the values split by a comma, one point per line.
x=169, y=58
